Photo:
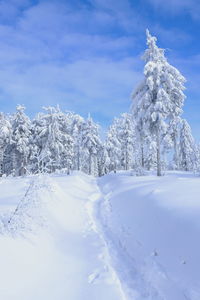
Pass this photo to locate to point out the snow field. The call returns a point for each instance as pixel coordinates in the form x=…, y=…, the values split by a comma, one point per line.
x=116, y=237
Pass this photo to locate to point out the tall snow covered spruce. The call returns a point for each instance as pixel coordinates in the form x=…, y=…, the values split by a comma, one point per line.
x=158, y=99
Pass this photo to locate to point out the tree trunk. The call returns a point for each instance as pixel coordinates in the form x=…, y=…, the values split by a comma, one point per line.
x=126, y=160
x=1, y=162
x=78, y=160
x=14, y=164
x=142, y=152
x=158, y=153
x=176, y=154
x=90, y=163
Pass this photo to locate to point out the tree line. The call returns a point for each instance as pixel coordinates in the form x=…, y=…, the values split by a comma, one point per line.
x=152, y=136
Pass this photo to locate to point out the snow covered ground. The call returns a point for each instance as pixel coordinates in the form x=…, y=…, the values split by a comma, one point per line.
x=116, y=237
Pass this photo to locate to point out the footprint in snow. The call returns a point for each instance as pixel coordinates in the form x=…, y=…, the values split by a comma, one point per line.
x=154, y=253
x=92, y=278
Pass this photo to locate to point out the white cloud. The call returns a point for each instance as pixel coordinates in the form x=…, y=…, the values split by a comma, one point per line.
x=93, y=85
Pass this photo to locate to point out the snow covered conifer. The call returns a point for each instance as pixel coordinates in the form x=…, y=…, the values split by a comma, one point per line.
x=54, y=143
x=103, y=161
x=159, y=98
x=54, y=146
x=127, y=140
x=18, y=151
x=188, y=155
x=76, y=123
x=150, y=155
x=67, y=140
x=174, y=135
x=113, y=146
x=5, y=135
x=91, y=145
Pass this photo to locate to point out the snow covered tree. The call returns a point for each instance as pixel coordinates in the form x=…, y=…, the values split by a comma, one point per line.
x=159, y=98
x=5, y=135
x=121, y=143
x=18, y=150
x=113, y=146
x=35, y=162
x=127, y=140
x=150, y=155
x=103, y=161
x=138, y=108
x=76, y=124
x=55, y=146
x=174, y=134
x=67, y=140
x=91, y=145
x=188, y=155
x=197, y=156
x=38, y=143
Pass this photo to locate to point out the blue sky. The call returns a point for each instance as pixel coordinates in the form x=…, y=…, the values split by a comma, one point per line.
x=85, y=55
